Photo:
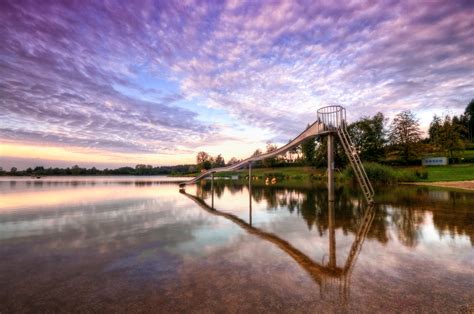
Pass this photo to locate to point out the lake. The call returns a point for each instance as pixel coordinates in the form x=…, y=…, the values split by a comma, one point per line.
x=122, y=244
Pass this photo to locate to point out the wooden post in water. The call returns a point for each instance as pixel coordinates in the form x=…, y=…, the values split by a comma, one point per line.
x=212, y=190
x=250, y=193
x=332, y=235
x=331, y=167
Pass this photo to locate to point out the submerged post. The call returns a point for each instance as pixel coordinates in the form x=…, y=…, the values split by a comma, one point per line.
x=250, y=175
x=332, y=235
x=212, y=190
x=331, y=167
x=250, y=193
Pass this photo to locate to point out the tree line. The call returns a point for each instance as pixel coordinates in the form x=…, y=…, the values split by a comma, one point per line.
x=139, y=169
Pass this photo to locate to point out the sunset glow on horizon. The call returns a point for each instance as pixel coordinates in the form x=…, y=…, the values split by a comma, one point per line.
x=111, y=84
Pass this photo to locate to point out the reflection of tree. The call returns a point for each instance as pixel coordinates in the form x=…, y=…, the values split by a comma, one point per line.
x=458, y=216
x=405, y=207
x=310, y=203
x=451, y=210
x=408, y=222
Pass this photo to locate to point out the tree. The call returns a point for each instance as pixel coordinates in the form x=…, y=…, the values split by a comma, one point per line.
x=232, y=161
x=257, y=152
x=469, y=120
x=219, y=161
x=405, y=135
x=141, y=169
x=207, y=164
x=449, y=137
x=75, y=170
x=270, y=162
x=39, y=170
x=202, y=157
x=13, y=171
x=203, y=161
x=368, y=135
x=434, y=130
x=308, y=148
x=294, y=152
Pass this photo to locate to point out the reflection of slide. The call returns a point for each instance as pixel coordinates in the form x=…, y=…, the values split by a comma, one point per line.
x=360, y=237
x=315, y=129
x=317, y=271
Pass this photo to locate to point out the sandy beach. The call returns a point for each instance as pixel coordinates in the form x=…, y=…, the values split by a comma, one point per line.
x=465, y=185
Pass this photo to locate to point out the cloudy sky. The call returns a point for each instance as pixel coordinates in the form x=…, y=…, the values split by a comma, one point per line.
x=113, y=83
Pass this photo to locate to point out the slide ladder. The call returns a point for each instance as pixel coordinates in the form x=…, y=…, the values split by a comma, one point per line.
x=356, y=163
x=334, y=119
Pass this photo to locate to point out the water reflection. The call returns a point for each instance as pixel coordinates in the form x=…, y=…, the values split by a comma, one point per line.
x=320, y=273
x=405, y=209
x=114, y=246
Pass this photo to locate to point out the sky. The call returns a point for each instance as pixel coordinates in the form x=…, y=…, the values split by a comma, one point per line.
x=118, y=83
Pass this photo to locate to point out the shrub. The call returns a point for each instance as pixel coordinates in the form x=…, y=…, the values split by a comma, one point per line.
x=377, y=173
x=405, y=175
x=421, y=174
x=383, y=174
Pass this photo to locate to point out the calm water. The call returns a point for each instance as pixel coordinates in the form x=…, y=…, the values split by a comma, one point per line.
x=138, y=244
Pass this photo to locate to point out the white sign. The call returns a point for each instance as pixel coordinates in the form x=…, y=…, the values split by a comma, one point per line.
x=434, y=161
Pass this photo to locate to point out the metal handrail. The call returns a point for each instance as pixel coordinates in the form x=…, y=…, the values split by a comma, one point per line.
x=333, y=116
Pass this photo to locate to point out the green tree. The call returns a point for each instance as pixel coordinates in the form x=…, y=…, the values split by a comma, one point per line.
x=207, y=164
x=142, y=169
x=405, y=135
x=257, y=164
x=75, y=170
x=219, y=161
x=449, y=138
x=293, y=153
x=232, y=161
x=308, y=149
x=469, y=124
x=202, y=157
x=270, y=162
x=368, y=135
x=434, y=130
x=203, y=161
x=39, y=170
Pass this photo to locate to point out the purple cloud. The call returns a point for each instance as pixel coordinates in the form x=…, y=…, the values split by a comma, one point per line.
x=73, y=72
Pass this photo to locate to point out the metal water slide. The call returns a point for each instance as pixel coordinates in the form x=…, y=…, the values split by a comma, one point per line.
x=315, y=129
x=331, y=120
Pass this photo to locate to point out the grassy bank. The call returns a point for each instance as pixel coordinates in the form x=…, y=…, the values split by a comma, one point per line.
x=460, y=172
x=376, y=172
x=385, y=174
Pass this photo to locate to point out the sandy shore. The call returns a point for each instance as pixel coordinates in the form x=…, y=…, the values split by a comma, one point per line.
x=465, y=185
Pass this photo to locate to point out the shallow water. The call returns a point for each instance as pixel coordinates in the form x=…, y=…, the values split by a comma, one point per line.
x=128, y=244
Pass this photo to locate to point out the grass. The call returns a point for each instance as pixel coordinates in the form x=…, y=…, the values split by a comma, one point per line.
x=295, y=173
x=285, y=172
x=460, y=172
x=377, y=173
